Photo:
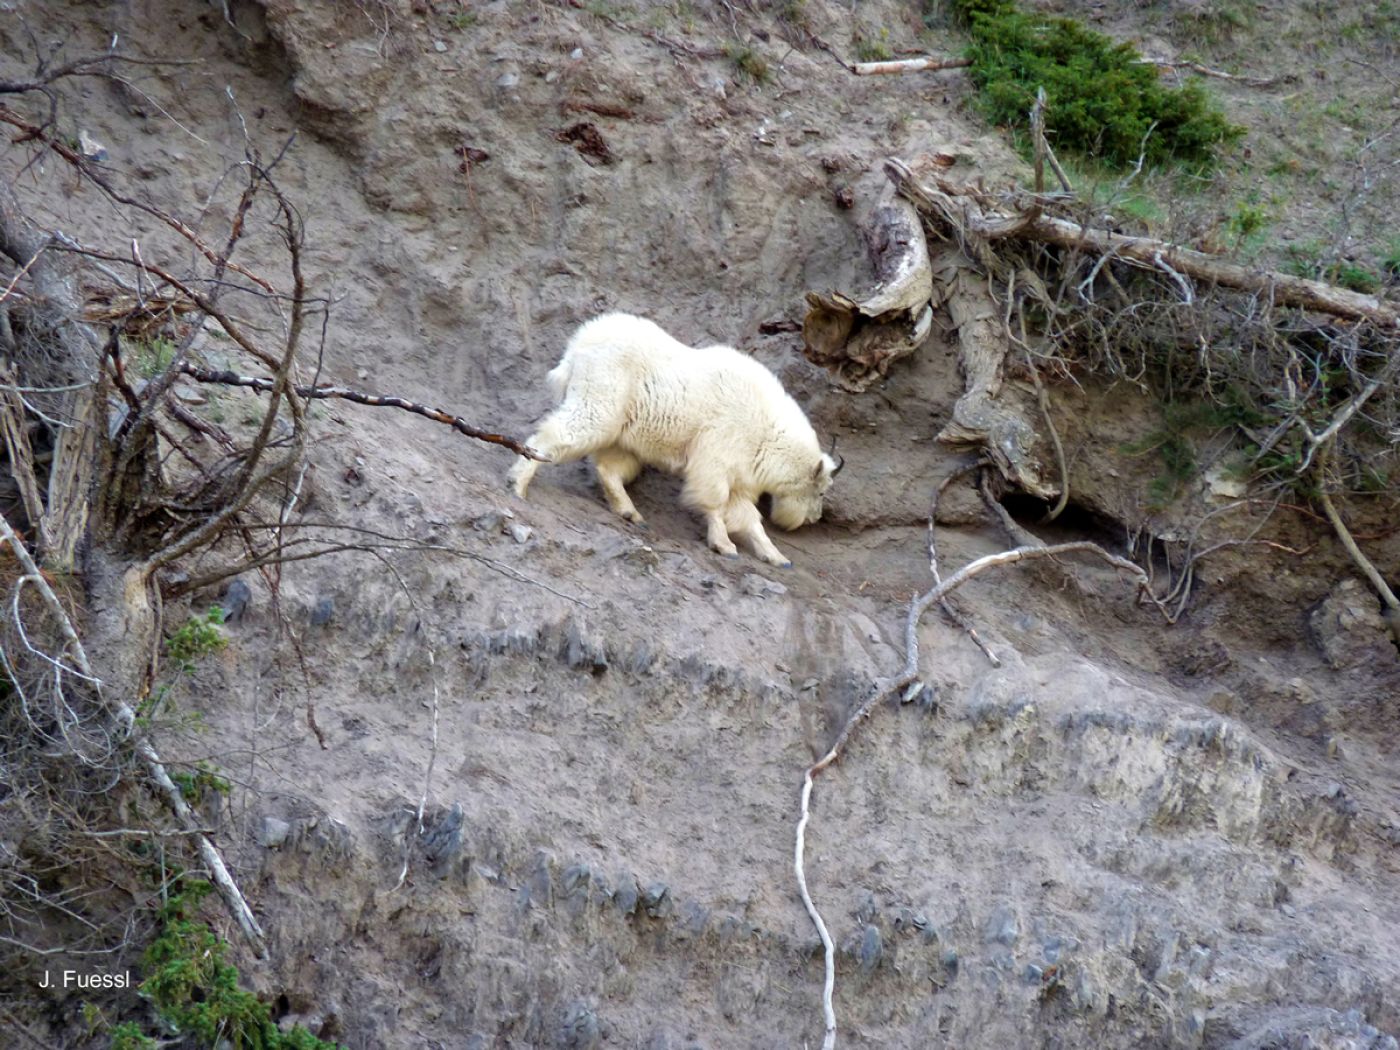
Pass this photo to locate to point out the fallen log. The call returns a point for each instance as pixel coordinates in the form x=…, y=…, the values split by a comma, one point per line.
x=926, y=64
x=969, y=210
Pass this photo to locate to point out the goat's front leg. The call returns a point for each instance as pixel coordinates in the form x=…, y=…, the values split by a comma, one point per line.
x=741, y=518
x=718, y=536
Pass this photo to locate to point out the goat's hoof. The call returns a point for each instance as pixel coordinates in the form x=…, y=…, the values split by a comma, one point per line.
x=734, y=556
x=785, y=565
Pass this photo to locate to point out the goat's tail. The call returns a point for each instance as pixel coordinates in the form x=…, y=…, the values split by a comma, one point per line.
x=558, y=378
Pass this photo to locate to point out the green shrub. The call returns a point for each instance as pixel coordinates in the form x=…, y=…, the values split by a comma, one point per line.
x=874, y=49
x=1357, y=278
x=198, y=637
x=1102, y=100
x=1173, y=443
x=127, y=1036
x=750, y=62
x=197, y=992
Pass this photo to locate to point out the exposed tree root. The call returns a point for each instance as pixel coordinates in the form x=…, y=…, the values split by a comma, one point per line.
x=905, y=681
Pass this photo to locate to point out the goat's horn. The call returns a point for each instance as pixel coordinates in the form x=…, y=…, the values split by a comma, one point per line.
x=840, y=462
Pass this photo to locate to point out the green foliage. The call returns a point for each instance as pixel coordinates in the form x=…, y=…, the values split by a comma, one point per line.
x=461, y=20
x=1357, y=278
x=1308, y=260
x=197, y=992
x=1173, y=443
x=794, y=12
x=199, y=637
x=1390, y=261
x=1247, y=220
x=1102, y=100
x=750, y=62
x=199, y=784
x=151, y=357
x=874, y=49
x=127, y=1036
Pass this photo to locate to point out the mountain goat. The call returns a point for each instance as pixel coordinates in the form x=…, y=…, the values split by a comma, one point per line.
x=632, y=396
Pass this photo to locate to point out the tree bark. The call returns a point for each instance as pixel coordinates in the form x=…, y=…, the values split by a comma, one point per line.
x=858, y=338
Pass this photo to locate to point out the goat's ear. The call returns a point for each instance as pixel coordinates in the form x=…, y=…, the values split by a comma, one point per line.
x=817, y=470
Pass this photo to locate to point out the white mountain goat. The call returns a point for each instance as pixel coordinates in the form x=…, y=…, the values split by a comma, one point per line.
x=632, y=396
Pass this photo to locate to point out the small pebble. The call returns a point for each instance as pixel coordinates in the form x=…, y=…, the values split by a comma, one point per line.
x=322, y=613
x=760, y=587
x=439, y=46
x=90, y=148
x=520, y=533
x=576, y=53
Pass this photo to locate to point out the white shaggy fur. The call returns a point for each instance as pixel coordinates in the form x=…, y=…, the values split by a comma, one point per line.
x=632, y=396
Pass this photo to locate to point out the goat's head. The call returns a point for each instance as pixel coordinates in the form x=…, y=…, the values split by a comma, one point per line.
x=801, y=503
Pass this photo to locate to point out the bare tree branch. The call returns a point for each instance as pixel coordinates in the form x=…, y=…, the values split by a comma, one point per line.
x=457, y=423
x=125, y=718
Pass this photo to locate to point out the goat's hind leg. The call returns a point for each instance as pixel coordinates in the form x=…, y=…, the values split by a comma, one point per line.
x=563, y=437
x=616, y=468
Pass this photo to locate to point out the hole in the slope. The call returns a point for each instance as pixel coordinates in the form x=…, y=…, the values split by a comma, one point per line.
x=1075, y=522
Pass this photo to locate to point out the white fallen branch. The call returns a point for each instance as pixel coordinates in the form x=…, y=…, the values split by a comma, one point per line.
x=907, y=677
x=926, y=64
x=126, y=718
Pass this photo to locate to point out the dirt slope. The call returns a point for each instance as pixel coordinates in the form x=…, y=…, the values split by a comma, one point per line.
x=1125, y=836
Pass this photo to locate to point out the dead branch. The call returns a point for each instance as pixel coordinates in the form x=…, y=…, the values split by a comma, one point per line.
x=14, y=424
x=970, y=211
x=1219, y=74
x=860, y=337
x=227, y=378
x=907, y=678
x=125, y=718
x=1344, y=414
x=926, y=64
x=1043, y=152
x=90, y=172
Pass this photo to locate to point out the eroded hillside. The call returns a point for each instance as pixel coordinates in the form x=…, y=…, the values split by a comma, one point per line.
x=1127, y=834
